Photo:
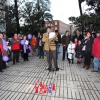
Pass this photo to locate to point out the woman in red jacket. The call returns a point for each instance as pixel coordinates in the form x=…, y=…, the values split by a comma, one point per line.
x=1, y=53
x=96, y=53
x=15, y=48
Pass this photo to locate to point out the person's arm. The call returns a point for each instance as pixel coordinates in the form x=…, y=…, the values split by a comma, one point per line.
x=1, y=48
x=44, y=37
x=14, y=41
x=62, y=40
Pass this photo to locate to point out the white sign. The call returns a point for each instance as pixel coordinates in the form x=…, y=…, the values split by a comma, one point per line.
x=51, y=35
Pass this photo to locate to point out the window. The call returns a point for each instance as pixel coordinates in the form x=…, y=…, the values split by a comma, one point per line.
x=55, y=23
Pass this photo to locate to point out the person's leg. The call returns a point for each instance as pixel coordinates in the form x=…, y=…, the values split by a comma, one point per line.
x=44, y=52
x=85, y=60
x=96, y=63
x=54, y=58
x=40, y=52
x=0, y=62
x=27, y=57
x=88, y=59
x=17, y=55
x=24, y=56
x=63, y=53
x=57, y=50
x=72, y=58
x=14, y=56
x=49, y=59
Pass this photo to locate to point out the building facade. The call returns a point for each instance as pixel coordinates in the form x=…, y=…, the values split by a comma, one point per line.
x=58, y=25
x=2, y=16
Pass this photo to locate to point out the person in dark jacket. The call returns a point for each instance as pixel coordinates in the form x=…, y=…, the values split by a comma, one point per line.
x=58, y=42
x=87, y=48
x=65, y=41
x=40, y=44
x=78, y=51
x=15, y=48
x=78, y=36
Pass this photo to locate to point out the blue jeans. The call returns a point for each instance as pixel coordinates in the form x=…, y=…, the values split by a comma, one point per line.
x=57, y=50
x=96, y=63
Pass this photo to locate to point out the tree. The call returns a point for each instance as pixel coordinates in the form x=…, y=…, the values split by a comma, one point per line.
x=31, y=16
x=35, y=14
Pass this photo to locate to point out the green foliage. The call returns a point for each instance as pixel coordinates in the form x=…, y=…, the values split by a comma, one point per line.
x=32, y=16
x=91, y=21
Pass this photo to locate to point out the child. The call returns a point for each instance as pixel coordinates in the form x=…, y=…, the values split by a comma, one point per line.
x=76, y=43
x=71, y=51
x=79, y=54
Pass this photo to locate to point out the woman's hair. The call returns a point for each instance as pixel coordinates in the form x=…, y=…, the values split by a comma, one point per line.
x=89, y=33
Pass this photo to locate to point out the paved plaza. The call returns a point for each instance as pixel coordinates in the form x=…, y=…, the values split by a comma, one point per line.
x=72, y=82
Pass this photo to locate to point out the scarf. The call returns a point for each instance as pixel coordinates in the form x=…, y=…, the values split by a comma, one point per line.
x=25, y=46
x=4, y=44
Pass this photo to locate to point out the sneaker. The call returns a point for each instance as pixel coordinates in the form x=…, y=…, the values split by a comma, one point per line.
x=87, y=67
x=94, y=71
x=57, y=69
x=48, y=68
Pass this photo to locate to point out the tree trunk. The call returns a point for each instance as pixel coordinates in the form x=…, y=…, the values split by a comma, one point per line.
x=17, y=19
x=80, y=8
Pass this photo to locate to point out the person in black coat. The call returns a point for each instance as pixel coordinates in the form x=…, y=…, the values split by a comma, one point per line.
x=40, y=44
x=87, y=49
x=78, y=51
x=78, y=36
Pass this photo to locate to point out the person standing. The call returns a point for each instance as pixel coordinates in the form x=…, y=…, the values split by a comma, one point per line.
x=34, y=44
x=87, y=49
x=78, y=36
x=50, y=47
x=40, y=44
x=15, y=48
x=1, y=53
x=78, y=51
x=71, y=51
x=37, y=38
x=96, y=53
x=25, y=49
x=58, y=42
x=4, y=43
x=65, y=41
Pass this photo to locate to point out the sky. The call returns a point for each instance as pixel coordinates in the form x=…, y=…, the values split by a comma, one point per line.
x=63, y=9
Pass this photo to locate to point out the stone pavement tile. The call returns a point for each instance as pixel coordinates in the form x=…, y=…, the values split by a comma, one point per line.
x=72, y=82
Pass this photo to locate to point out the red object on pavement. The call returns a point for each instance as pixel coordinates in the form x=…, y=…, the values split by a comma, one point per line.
x=41, y=84
x=41, y=90
x=36, y=84
x=45, y=89
x=53, y=87
x=36, y=89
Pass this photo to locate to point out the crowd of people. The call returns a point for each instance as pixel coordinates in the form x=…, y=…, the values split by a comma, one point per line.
x=78, y=47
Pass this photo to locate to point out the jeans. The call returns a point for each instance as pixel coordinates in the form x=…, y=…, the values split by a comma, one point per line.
x=96, y=63
x=57, y=50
